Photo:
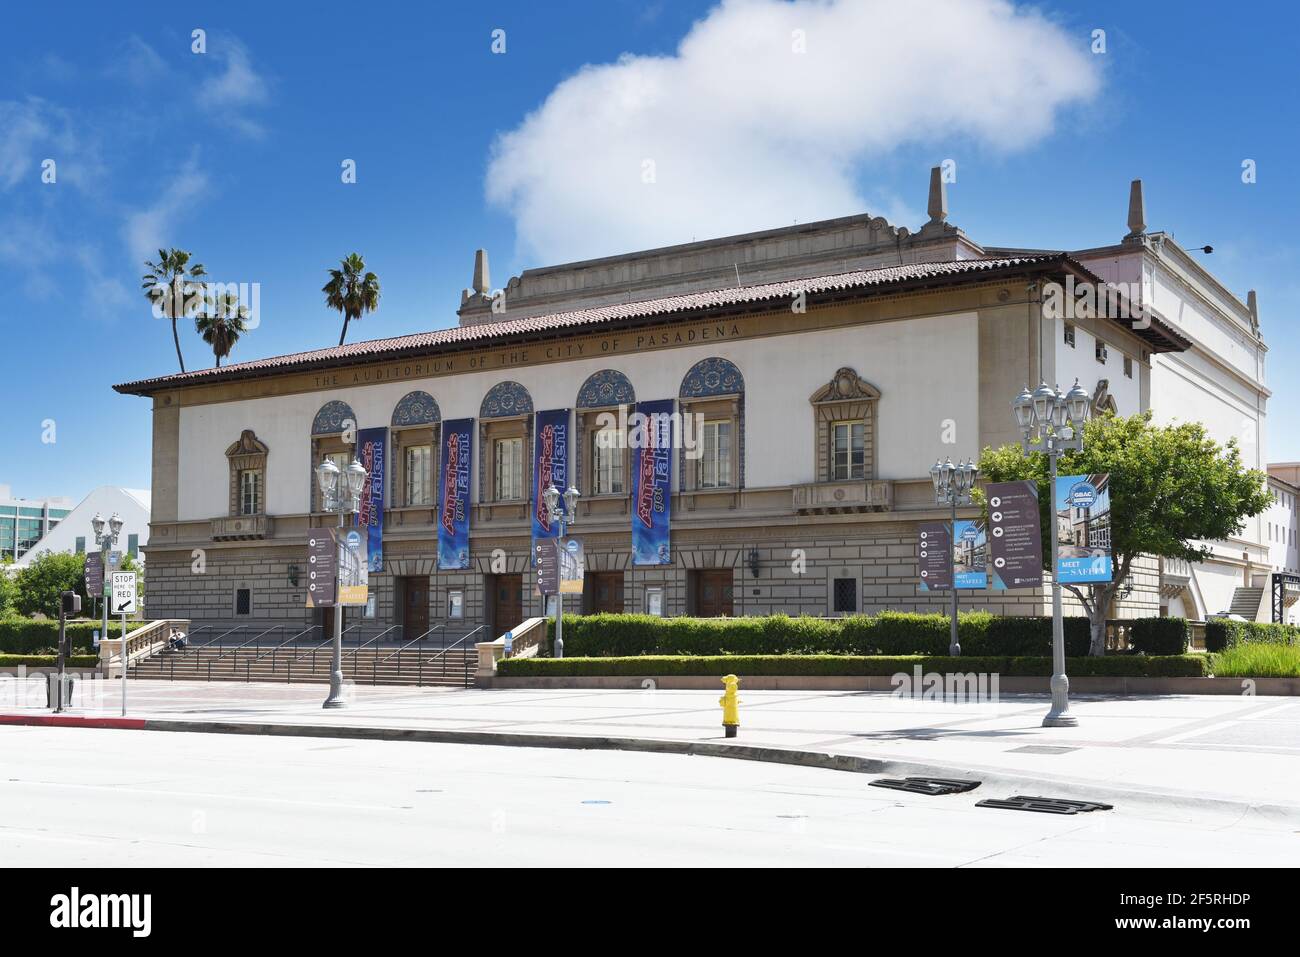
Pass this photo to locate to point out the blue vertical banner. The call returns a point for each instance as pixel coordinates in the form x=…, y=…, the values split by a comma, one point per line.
x=970, y=550
x=1081, y=510
x=550, y=466
x=372, y=453
x=453, y=494
x=652, y=453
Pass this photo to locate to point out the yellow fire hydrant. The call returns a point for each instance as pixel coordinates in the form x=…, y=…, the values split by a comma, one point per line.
x=730, y=705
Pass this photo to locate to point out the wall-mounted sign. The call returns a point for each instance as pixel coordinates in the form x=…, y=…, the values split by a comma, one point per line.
x=1081, y=510
x=453, y=494
x=1015, y=534
x=550, y=466
x=652, y=485
x=372, y=452
x=934, y=555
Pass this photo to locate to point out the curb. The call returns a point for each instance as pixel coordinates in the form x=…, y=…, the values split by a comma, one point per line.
x=1064, y=787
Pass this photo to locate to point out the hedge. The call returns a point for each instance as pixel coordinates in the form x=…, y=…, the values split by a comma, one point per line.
x=1224, y=633
x=1159, y=636
x=47, y=661
x=1180, y=666
x=25, y=636
x=888, y=633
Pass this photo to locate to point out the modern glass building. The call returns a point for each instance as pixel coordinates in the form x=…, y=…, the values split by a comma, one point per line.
x=25, y=521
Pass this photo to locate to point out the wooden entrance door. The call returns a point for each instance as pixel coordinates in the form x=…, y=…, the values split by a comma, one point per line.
x=606, y=591
x=713, y=592
x=507, y=607
x=415, y=620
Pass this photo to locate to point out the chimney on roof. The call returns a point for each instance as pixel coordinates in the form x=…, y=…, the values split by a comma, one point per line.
x=482, y=283
x=938, y=205
x=1137, y=211
x=1252, y=306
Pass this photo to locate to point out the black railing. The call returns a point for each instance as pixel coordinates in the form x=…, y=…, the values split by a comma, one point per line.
x=255, y=641
x=275, y=652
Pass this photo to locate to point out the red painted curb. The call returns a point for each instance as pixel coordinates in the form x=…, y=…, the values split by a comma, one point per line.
x=71, y=721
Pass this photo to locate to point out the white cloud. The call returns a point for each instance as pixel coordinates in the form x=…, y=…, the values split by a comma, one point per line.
x=745, y=133
x=237, y=87
x=137, y=62
x=24, y=131
x=149, y=229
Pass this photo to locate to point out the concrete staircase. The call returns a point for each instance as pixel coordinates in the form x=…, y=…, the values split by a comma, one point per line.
x=1245, y=602
x=422, y=667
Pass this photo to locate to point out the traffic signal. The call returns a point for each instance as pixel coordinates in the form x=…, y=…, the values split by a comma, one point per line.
x=71, y=603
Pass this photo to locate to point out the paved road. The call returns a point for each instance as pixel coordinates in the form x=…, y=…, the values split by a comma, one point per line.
x=94, y=797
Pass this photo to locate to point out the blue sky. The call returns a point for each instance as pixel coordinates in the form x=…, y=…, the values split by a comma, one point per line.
x=538, y=154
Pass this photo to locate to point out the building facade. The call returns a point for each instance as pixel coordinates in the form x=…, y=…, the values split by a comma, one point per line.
x=24, y=522
x=74, y=533
x=818, y=372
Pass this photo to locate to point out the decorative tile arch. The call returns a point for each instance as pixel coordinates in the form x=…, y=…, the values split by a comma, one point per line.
x=416, y=408
x=329, y=420
x=506, y=399
x=709, y=379
x=712, y=376
x=605, y=388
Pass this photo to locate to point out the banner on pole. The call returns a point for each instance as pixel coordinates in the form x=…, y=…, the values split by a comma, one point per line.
x=453, y=490
x=1081, y=510
x=934, y=551
x=372, y=452
x=652, y=484
x=1015, y=534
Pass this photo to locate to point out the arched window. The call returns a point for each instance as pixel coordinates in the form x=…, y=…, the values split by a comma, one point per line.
x=333, y=436
x=414, y=438
x=247, y=460
x=505, y=442
x=712, y=406
x=602, y=463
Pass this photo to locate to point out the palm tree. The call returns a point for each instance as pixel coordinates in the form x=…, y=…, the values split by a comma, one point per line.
x=352, y=291
x=221, y=323
x=169, y=283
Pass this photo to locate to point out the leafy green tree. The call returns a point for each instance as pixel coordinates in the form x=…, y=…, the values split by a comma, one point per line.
x=351, y=291
x=171, y=284
x=50, y=574
x=8, y=588
x=135, y=563
x=221, y=323
x=1171, y=489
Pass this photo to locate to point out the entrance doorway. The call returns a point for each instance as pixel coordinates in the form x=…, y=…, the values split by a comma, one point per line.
x=713, y=592
x=507, y=601
x=415, y=606
x=604, y=593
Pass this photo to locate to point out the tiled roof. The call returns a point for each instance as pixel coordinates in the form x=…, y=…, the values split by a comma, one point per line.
x=423, y=343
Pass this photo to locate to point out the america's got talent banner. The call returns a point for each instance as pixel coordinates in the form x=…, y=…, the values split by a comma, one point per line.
x=453, y=494
x=652, y=455
x=372, y=452
x=550, y=466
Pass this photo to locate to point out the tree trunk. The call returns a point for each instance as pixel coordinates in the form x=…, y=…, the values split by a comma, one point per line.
x=344, y=334
x=1097, y=626
x=177, y=339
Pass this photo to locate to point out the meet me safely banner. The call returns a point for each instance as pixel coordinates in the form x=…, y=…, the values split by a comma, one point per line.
x=372, y=452
x=453, y=494
x=1081, y=510
x=652, y=484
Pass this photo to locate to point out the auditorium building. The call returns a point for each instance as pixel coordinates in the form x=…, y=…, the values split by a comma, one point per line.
x=821, y=369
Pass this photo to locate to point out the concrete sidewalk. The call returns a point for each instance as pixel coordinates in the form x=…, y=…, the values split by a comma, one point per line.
x=1189, y=751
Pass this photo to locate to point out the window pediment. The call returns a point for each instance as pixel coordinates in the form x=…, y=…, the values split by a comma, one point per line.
x=845, y=386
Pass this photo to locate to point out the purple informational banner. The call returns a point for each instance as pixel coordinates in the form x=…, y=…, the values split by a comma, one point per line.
x=550, y=466
x=372, y=452
x=453, y=492
x=934, y=555
x=1015, y=534
x=652, y=484
x=95, y=574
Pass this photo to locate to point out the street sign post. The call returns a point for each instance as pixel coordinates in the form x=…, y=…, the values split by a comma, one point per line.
x=123, y=598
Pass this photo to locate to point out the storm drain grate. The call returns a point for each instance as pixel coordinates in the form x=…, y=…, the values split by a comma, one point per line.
x=926, y=785
x=1044, y=805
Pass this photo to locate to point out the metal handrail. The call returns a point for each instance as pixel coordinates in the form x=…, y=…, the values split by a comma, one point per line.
x=324, y=641
x=235, y=650
x=216, y=640
x=376, y=662
x=443, y=655
x=273, y=652
x=357, y=649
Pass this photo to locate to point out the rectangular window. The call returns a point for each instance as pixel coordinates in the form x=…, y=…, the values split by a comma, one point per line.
x=714, y=466
x=250, y=492
x=1101, y=352
x=846, y=596
x=606, y=463
x=847, y=458
x=243, y=601
x=1128, y=367
x=419, y=488
x=508, y=481
x=81, y=545
x=1069, y=335
x=133, y=545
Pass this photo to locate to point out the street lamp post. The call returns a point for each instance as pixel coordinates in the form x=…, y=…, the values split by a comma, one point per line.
x=952, y=487
x=341, y=493
x=106, y=539
x=1051, y=421
x=565, y=516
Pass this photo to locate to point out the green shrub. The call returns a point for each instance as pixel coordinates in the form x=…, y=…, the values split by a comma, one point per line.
x=47, y=661
x=637, y=666
x=24, y=636
x=1224, y=633
x=1258, y=660
x=1159, y=636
